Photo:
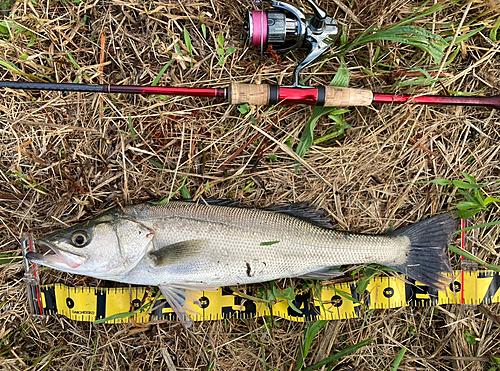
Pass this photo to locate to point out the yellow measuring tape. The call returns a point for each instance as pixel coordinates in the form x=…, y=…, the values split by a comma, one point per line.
x=339, y=301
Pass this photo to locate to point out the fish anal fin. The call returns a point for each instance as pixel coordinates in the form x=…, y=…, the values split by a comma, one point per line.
x=183, y=299
x=179, y=251
x=326, y=273
x=305, y=211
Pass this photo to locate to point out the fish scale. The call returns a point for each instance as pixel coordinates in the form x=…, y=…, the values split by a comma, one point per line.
x=196, y=246
x=238, y=239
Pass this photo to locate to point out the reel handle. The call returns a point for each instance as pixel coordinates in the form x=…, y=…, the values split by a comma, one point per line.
x=329, y=96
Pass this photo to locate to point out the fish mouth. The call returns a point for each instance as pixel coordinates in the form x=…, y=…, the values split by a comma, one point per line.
x=55, y=257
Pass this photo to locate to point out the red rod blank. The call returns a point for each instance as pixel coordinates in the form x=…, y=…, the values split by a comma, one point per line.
x=146, y=90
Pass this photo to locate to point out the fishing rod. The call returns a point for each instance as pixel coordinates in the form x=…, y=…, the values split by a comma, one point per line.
x=282, y=27
x=264, y=94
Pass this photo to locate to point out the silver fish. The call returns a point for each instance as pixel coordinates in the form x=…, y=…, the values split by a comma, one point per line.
x=201, y=246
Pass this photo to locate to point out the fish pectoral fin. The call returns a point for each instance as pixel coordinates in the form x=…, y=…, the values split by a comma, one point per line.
x=183, y=299
x=324, y=274
x=177, y=252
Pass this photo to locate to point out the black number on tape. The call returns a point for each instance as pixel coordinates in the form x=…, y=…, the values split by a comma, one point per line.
x=455, y=286
x=70, y=303
x=136, y=304
x=388, y=292
x=337, y=301
x=204, y=302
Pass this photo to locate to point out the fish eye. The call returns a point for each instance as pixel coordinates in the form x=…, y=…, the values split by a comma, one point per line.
x=79, y=238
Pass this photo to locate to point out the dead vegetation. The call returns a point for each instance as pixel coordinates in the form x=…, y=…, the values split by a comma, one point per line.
x=65, y=157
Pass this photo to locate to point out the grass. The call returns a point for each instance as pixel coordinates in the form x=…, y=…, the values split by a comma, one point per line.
x=64, y=157
x=309, y=334
x=222, y=51
x=399, y=358
x=339, y=355
x=475, y=201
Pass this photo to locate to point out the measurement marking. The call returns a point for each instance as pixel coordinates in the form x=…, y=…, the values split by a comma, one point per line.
x=462, y=240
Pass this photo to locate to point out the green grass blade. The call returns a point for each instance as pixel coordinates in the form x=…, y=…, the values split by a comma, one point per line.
x=489, y=200
x=466, y=205
x=131, y=125
x=398, y=359
x=339, y=355
x=494, y=31
x=12, y=67
x=468, y=35
x=469, y=178
x=410, y=35
x=187, y=41
x=307, y=138
x=183, y=193
x=114, y=317
x=346, y=296
x=443, y=182
x=156, y=163
x=421, y=14
x=204, y=30
x=309, y=335
x=478, y=226
x=7, y=25
x=341, y=78
x=73, y=61
x=465, y=185
x=162, y=71
x=9, y=259
x=468, y=255
x=414, y=36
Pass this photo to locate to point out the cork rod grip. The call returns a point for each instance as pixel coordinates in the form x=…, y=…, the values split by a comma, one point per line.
x=248, y=93
x=335, y=96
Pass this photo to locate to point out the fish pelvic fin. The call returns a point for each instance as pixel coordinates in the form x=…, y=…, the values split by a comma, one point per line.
x=427, y=259
x=183, y=299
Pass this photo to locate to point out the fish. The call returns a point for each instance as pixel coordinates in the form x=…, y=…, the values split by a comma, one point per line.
x=185, y=246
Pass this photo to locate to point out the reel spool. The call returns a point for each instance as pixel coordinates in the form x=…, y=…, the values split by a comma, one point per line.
x=285, y=27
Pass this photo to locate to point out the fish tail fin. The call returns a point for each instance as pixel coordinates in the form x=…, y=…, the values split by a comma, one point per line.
x=427, y=259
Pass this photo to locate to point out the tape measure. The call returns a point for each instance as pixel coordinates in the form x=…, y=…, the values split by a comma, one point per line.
x=339, y=301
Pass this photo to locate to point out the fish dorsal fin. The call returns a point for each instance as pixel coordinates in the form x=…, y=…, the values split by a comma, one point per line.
x=301, y=210
x=183, y=298
x=177, y=252
x=305, y=211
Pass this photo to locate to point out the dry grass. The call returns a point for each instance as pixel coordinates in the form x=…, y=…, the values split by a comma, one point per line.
x=78, y=157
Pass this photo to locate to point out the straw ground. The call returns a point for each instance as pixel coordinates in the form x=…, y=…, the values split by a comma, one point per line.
x=64, y=157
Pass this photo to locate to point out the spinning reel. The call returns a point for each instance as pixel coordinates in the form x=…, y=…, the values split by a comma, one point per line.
x=284, y=27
